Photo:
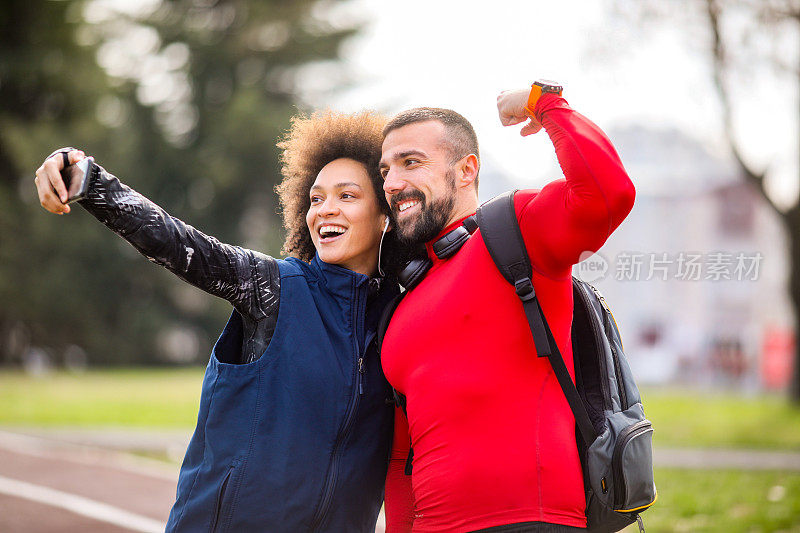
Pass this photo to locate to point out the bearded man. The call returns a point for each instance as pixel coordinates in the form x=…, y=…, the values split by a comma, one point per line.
x=493, y=437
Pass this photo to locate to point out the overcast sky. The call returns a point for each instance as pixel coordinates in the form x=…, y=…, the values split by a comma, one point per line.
x=462, y=54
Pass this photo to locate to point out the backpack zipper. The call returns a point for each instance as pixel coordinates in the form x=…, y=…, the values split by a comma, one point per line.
x=623, y=396
x=330, y=481
x=627, y=435
x=598, y=341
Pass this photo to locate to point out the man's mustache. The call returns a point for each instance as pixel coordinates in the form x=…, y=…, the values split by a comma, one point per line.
x=404, y=196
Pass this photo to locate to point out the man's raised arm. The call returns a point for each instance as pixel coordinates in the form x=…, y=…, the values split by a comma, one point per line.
x=577, y=214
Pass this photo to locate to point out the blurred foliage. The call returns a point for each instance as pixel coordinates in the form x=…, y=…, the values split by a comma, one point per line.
x=184, y=101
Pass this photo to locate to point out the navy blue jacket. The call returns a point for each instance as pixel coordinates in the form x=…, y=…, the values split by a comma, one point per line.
x=297, y=439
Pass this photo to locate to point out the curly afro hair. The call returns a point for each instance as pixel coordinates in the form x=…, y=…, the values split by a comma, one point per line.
x=311, y=143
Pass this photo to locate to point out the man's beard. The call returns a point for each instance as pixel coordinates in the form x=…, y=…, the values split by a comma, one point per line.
x=433, y=217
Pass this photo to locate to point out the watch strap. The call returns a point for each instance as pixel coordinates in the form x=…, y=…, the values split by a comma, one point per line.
x=538, y=88
x=533, y=97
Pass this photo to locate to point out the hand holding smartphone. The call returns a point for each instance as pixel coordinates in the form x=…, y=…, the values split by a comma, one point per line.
x=76, y=179
x=58, y=183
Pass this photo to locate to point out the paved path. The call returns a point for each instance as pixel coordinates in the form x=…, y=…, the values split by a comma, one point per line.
x=710, y=459
x=46, y=486
x=172, y=444
x=157, y=441
x=63, y=481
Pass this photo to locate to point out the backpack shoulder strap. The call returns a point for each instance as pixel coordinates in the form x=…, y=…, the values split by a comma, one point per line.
x=497, y=220
x=500, y=230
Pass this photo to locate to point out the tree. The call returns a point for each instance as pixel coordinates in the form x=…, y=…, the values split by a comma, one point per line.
x=736, y=31
x=184, y=100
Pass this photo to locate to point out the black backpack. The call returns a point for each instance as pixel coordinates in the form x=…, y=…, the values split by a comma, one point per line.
x=614, y=438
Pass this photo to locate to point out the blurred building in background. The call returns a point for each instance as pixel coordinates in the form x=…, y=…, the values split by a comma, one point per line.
x=696, y=275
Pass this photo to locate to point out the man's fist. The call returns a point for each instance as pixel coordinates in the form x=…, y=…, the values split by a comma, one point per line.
x=511, y=108
x=50, y=184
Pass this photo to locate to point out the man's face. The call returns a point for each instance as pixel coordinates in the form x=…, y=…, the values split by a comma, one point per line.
x=419, y=180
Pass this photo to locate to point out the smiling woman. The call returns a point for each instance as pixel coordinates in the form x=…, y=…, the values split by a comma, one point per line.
x=294, y=427
x=324, y=151
x=344, y=218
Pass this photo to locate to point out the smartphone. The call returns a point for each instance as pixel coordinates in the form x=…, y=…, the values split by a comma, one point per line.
x=76, y=179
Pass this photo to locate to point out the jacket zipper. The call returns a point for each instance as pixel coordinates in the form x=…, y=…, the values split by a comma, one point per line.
x=627, y=435
x=362, y=361
x=330, y=481
x=361, y=375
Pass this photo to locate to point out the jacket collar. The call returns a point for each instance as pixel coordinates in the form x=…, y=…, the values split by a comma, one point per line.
x=337, y=280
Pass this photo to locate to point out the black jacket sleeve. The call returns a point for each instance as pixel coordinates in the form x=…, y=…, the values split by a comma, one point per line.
x=249, y=280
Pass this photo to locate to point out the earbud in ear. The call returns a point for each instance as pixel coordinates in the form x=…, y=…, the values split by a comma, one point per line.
x=386, y=226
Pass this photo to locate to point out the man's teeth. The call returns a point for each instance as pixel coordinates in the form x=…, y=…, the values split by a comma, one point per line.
x=326, y=231
x=405, y=205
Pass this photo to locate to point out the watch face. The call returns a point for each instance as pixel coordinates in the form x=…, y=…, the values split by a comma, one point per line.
x=549, y=86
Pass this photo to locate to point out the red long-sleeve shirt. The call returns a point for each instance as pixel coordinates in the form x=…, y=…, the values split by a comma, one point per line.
x=493, y=435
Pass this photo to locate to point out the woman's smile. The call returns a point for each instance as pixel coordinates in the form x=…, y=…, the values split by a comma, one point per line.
x=329, y=232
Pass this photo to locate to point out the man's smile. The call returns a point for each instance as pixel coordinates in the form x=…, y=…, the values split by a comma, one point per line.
x=406, y=203
x=404, y=208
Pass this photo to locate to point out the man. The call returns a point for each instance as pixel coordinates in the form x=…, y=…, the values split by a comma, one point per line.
x=493, y=436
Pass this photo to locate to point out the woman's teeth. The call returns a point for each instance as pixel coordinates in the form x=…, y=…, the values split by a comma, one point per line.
x=405, y=205
x=329, y=231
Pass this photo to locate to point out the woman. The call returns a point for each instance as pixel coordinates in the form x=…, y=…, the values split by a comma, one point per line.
x=294, y=427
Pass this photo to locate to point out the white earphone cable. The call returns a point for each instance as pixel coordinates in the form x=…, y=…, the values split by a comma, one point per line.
x=380, y=246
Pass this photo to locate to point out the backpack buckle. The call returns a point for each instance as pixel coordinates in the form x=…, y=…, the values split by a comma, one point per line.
x=524, y=289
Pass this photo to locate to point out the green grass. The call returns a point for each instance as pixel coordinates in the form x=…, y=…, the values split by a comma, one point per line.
x=129, y=397
x=169, y=398
x=682, y=418
x=723, y=501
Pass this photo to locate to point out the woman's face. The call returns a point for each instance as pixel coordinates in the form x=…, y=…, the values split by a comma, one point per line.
x=344, y=218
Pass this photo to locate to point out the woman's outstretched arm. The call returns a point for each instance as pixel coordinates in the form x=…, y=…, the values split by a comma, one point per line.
x=247, y=279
